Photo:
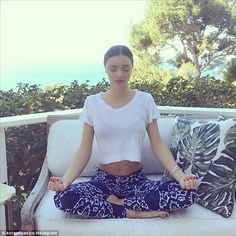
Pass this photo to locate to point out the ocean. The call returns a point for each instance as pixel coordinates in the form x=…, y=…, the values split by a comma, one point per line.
x=44, y=75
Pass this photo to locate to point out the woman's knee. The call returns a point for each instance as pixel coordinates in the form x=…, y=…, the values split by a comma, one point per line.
x=66, y=200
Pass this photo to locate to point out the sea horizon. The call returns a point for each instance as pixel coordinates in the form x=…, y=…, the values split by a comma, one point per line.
x=49, y=75
x=45, y=75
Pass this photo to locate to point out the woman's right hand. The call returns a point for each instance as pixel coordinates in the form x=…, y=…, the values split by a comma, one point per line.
x=57, y=184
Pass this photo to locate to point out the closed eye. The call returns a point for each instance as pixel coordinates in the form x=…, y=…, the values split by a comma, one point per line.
x=125, y=68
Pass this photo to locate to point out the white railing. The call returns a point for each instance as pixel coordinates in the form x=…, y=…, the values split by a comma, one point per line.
x=14, y=121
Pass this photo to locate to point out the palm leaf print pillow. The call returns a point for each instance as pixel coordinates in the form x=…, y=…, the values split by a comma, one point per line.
x=208, y=150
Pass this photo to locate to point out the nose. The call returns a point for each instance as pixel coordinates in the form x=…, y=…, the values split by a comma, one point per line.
x=119, y=73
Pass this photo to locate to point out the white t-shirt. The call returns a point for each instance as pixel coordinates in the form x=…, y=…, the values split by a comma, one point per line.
x=120, y=132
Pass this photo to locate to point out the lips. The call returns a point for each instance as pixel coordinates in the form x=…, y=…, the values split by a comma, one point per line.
x=119, y=81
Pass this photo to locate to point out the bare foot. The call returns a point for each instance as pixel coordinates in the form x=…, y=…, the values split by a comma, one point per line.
x=137, y=214
x=146, y=214
x=114, y=199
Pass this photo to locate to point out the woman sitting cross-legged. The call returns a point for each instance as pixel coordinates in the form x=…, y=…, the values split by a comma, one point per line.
x=119, y=119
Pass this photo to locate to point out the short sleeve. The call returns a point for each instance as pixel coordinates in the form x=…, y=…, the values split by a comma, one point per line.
x=153, y=112
x=86, y=115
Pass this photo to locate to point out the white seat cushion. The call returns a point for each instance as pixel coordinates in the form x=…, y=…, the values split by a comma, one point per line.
x=193, y=221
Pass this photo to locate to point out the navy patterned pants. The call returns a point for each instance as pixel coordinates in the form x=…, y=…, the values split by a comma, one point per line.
x=88, y=199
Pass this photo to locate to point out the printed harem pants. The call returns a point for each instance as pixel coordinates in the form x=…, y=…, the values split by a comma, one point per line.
x=88, y=199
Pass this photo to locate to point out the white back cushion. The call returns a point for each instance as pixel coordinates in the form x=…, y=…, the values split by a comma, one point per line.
x=65, y=136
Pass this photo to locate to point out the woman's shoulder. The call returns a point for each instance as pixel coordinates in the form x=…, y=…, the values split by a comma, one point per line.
x=92, y=100
x=93, y=97
x=143, y=94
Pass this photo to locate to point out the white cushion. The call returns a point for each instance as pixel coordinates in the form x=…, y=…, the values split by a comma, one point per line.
x=193, y=221
x=65, y=136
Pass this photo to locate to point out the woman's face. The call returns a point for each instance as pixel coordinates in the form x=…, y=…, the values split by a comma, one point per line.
x=119, y=69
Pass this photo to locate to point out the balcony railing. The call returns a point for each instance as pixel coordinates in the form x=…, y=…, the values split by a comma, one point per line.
x=14, y=121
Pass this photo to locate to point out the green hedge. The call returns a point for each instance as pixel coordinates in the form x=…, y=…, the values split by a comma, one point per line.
x=209, y=92
x=26, y=145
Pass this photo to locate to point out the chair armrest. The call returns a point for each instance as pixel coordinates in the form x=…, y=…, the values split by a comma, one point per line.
x=28, y=209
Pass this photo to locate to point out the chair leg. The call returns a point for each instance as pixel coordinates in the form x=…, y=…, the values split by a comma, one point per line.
x=9, y=216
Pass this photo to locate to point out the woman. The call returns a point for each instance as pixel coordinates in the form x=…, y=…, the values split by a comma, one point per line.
x=119, y=119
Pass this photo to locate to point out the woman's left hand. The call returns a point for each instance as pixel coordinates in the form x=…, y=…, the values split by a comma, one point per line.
x=187, y=181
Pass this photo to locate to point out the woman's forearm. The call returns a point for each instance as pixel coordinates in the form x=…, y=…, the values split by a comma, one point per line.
x=77, y=165
x=164, y=155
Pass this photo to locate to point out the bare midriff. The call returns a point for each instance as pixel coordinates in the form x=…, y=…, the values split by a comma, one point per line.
x=121, y=168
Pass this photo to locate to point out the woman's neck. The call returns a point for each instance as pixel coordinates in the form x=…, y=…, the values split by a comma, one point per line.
x=119, y=92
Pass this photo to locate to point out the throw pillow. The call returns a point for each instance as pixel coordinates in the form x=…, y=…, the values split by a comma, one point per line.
x=207, y=149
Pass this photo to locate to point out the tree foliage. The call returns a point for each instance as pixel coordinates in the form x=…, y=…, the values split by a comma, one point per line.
x=230, y=73
x=203, y=32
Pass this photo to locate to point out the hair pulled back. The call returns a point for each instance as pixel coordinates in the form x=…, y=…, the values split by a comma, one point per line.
x=117, y=50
